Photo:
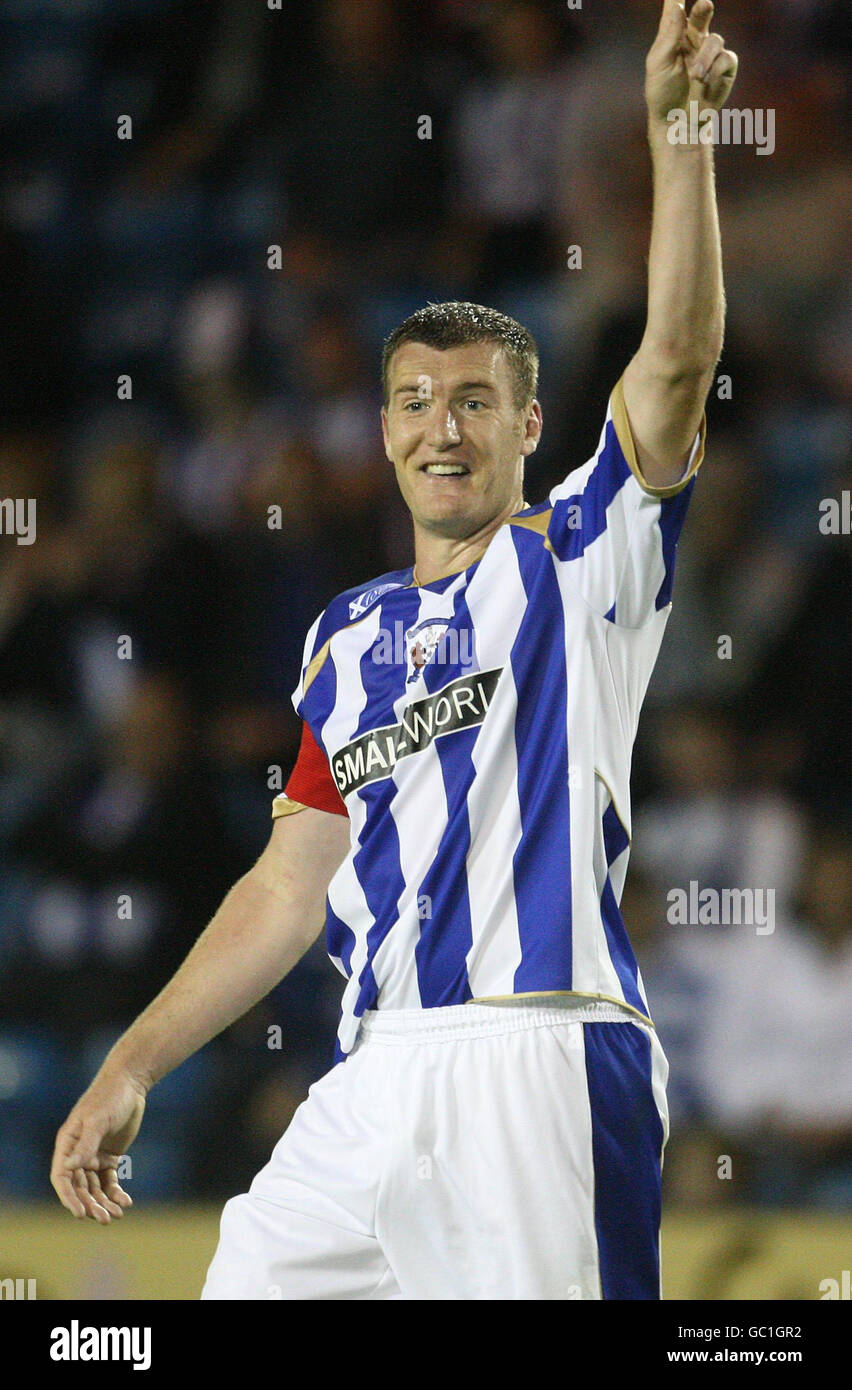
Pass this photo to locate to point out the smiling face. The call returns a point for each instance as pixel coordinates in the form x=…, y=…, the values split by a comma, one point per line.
x=456, y=437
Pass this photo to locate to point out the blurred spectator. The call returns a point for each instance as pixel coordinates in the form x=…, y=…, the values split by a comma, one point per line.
x=778, y=1037
x=509, y=131
x=339, y=404
x=676, y=986
x=356, y=169
x=734, y=578
x=801, y=695
x=131, y=572
x=706, y=823
x=127, y=858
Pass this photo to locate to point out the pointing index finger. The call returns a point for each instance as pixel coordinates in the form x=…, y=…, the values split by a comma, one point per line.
x=699, y=18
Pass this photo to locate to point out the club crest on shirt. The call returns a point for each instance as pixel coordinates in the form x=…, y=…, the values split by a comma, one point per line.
x=421, y=642
x=366, y=600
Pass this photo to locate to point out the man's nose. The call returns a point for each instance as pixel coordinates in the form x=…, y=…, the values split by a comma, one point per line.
x=443, y=429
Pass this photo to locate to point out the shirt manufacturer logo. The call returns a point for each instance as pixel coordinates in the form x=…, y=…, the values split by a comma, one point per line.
x=366, y=600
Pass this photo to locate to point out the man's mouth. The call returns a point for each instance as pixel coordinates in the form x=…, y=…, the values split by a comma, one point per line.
x=446, y=470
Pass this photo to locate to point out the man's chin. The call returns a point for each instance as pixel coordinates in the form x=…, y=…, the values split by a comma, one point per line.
x=452, y=526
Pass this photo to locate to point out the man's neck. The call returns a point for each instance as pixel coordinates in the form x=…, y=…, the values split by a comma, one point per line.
x=435, y=556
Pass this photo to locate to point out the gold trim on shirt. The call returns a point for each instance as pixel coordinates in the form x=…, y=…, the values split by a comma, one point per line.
x=285, y=806
x=628, y=448
x=540, y=522
x=312, y=669
x=560, y=993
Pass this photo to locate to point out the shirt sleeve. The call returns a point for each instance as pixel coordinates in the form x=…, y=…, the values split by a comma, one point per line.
x=615, y=533
x=310, y=783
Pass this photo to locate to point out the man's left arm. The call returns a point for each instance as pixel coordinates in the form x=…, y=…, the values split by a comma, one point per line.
x=667, y=381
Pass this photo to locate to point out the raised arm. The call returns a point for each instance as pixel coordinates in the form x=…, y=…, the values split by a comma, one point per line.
x=263, y=927
x=666, y=382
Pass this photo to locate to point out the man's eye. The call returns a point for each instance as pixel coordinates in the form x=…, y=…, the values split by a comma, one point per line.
x=412, y=404
x=474, y=403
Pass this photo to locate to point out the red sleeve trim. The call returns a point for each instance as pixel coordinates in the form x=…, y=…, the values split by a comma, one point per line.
x=311, y=782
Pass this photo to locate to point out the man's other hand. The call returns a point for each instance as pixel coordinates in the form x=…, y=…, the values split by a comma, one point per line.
x=90, y=1144
x=686, y=62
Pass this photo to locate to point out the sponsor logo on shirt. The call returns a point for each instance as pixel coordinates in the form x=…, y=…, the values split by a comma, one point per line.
x=463, y=704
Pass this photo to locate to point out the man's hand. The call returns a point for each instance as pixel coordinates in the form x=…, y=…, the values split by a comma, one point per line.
x=667, y=380
x=687, y=63
x=89, y=1146
x=265, y=925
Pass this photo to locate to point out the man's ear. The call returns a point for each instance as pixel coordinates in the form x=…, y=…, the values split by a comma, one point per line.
x=385, y=436
x=532, y=429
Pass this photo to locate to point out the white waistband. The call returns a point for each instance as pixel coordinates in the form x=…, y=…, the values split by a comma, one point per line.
x=455, y=1021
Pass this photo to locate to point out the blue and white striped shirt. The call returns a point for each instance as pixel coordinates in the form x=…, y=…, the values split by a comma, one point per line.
x=480, y=731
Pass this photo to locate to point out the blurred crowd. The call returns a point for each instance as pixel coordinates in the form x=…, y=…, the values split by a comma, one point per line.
x=192, y=325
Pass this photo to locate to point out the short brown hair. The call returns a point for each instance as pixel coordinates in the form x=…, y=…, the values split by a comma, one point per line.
x=455, y=323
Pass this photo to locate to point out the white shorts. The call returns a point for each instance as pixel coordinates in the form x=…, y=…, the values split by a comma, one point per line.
x=468, y=1152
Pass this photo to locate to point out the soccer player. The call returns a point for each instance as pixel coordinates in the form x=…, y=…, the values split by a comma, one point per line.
x=459, y=814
